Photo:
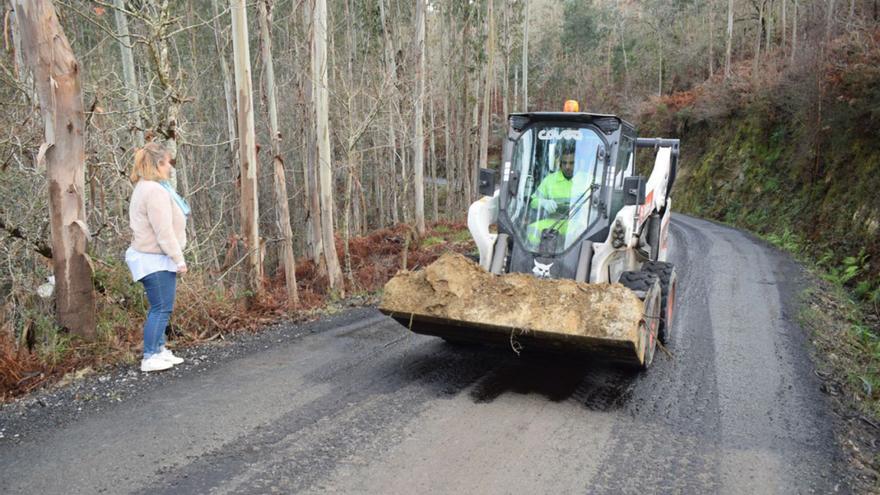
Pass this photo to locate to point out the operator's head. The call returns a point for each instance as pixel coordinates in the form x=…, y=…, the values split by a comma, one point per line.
x=566, y=162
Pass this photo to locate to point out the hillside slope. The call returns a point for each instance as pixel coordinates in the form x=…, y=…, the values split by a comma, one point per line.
x=793, y=154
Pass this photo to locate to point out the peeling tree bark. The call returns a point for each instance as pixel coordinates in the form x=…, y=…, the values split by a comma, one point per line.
x=56, y=73
x=247, y=151
x=282, y=210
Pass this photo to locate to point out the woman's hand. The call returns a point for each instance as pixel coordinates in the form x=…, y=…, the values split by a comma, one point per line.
x=181, y=269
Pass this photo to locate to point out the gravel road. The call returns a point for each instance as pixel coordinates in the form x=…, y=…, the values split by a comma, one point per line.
x=356, y=404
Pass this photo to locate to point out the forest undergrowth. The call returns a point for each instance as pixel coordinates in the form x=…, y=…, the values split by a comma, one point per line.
x=206, y=310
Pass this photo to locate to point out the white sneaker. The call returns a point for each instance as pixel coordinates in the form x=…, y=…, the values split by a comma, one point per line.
x=154, y=363
x=169, y=356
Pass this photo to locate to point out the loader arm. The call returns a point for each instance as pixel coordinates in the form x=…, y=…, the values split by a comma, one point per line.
x=661, y=179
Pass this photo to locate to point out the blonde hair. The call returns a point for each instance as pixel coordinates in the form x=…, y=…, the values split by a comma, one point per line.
x=146, y=162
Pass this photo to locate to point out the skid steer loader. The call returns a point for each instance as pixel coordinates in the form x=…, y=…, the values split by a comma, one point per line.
x=578, y=261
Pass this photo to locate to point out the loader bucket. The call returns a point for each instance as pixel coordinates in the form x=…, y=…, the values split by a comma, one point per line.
x=456, y=299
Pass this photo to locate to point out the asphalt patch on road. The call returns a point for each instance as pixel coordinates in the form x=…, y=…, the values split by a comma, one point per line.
x=597, y=386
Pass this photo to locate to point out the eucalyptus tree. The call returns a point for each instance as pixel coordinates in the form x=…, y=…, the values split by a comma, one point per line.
x=250, y=211
x=47, y=52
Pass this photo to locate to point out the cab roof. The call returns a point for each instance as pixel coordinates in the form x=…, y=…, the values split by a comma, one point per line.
x=608, y=123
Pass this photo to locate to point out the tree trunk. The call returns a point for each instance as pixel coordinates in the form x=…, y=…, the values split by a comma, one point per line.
x=129, y=78
x=660, y=71
x=314, y=244
x=321, y=98
x=160, y=53
x=247, y=151
x=447, y=149
x=829, y=23
x=282, y=209
x=525, y=58
x=783, y=36
x=47, y=52
x=350, y=154
x=794, y=29
x=505, y=80
x=473, y=147
x=393, y=113
x=228, y=90
x=487, y=86
x=758, y=37
x=626, y=79
x=435, y=202
x=25, y=78
x=418, y=124
x=711, y=38
x=729, y=38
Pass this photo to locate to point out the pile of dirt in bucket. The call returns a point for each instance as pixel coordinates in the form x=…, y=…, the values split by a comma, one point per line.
x=455, y=288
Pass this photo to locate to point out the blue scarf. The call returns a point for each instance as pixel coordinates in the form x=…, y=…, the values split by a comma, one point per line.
x=184, y=206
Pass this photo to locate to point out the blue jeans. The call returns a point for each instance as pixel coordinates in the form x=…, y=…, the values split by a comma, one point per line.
x=161, y=288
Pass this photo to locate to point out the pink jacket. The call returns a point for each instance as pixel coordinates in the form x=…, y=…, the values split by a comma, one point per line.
x=157, y=224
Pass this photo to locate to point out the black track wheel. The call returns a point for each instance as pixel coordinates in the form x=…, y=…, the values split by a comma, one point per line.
x=668, y=287
x=646, y=286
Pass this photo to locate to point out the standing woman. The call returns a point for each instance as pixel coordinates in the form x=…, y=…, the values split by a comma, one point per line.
x=157, y=215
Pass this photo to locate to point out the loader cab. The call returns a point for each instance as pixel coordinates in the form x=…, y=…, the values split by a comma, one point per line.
x=549, y=209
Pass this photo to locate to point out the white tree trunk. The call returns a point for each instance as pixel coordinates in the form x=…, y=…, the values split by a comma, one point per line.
x=487, y=86
x=228, y=89
x=435, y=205
x=729, y=38
x=829, y=22
x=47, y=52
x=525, y=58
x=321, y=98
x=794, y=30
x=711, y=38
x=250, y=212
x=24, y=75
x=757, y=55
x=129, y=77
x=782, y=39
x=282, y=209
x=394, y=112
x=314, y=244
x=418, y=124
x=505, y=79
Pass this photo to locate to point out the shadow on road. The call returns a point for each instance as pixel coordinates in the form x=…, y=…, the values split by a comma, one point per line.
x=487, y=373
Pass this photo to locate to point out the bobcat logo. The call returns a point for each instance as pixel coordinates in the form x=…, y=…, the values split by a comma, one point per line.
x=542, y=270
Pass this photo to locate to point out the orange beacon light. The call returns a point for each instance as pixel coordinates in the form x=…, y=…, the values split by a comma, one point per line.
x=571, y=106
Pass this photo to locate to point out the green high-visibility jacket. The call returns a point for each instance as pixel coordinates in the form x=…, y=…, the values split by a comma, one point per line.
x=555, y=186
